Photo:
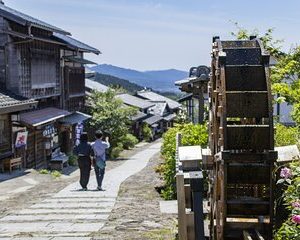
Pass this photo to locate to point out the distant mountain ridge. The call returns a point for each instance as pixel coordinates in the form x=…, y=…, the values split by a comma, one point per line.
x=109, y=81
x=160, y=80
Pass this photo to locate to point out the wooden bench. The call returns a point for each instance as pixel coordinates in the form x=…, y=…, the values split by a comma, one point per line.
x=59, y=162
x=13, y=162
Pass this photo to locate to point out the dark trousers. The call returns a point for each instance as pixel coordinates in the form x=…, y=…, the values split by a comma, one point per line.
x=99, y=175
x=84, y=164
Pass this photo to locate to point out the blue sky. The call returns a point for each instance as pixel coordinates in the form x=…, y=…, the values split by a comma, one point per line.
x=162, y=34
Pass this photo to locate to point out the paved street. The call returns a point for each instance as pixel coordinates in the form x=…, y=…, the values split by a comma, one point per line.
x=73, y=214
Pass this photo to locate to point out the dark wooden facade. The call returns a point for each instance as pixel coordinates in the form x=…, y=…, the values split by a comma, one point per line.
x=5, y=136
x=34, y=64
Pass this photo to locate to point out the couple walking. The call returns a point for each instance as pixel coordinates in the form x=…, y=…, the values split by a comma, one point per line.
x=92, y=154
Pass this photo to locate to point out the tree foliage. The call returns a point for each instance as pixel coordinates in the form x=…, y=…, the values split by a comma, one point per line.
x=286, y=82
x=273, y=46
x=285, y=74
x=110, y=116
x=285, y=136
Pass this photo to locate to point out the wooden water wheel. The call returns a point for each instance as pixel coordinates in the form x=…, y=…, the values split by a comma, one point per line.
x=241, y=141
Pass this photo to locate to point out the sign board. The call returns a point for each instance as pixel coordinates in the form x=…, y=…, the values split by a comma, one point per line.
x=49, y=130
x=21, y=139
x=78, y=132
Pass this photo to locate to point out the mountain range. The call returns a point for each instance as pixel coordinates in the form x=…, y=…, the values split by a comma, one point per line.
x=160, y=80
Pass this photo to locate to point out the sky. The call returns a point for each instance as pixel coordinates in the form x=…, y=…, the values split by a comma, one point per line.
x=162, y=34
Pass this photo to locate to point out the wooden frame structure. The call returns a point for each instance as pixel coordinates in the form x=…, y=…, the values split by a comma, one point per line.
x=241, y=141
x=41, y=62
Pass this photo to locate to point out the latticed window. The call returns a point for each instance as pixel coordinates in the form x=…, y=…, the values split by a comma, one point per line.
x=43, y=70
x=4, y=133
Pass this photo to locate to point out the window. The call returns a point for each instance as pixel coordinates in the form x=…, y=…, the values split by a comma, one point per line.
x=43, y=70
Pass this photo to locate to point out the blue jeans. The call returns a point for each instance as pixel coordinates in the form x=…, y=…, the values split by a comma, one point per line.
x=99, y=175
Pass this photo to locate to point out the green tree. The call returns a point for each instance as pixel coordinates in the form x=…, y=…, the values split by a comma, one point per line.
x=286, y=82
x=272, y=45
x=146, y=132
x=285, y=74
x=111, y=116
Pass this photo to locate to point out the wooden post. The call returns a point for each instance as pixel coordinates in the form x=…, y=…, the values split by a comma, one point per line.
x=178, y=140
x=196, y=180
x=35, y=148
x=201, y=106
x=182, y=225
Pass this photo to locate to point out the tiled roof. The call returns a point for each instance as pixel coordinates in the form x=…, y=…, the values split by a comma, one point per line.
x=79, y=60
x=135, y=101
x=188, y=80
x=138, y=116
x=75, y=43
x=153, y=119
x=26, y=20
x=158, y=108
x=186, y=98
x=156, y=97
x=42, y=116
x=74, y=118
x=93, y=85
x=170, y=117
x=10, y=102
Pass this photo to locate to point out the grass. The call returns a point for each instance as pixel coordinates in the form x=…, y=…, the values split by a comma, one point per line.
x=161, y=234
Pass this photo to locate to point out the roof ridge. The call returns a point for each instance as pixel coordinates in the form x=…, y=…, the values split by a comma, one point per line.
x=27, y=18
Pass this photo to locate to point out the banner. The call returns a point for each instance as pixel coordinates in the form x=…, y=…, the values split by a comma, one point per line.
x=21, y=139
x=78, y=131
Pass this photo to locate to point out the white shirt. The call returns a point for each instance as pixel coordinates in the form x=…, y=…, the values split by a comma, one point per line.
x=99, y=148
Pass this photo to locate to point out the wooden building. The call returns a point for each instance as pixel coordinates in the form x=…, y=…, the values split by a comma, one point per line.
x=10, y=106
x=165, y=109
x=196, y=86
x=42, y=62
x=143, y=112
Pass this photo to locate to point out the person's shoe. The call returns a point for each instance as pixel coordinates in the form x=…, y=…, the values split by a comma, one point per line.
x=100, y=189
x=83, y=189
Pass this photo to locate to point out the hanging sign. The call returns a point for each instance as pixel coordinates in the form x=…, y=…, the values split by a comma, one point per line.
x=78, y=131
x=21, y=139
x=49, y=130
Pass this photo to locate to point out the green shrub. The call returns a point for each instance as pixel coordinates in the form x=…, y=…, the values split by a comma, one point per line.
x=290, y=181
x=146, y=132
x=115, y=152
x=55, y=174
x=191, y=135
x=285, y=135
x=129, y=141
x=44, y=171
x=73, y=160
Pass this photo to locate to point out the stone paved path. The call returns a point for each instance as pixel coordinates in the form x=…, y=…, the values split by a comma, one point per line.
x=73, y=214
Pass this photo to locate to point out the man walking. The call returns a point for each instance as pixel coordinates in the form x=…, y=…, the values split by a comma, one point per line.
x=99, y=147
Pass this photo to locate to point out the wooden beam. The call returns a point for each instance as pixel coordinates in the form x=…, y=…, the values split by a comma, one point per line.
x=182, y=225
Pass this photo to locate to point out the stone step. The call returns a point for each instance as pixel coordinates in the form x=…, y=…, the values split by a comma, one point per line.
x=47, y=238
x=34, y=211
x=54, y=217
x=49, y=228
x=96, y=195
x=72, y=205
x=77, y=199
x=44, y=236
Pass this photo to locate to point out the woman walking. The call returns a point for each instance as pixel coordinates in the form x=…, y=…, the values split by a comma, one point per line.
x=84, y=152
